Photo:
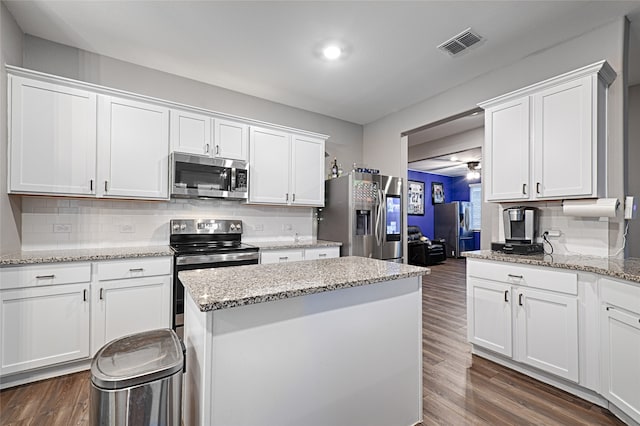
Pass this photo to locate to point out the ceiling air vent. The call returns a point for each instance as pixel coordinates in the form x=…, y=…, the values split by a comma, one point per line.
x=461, y=42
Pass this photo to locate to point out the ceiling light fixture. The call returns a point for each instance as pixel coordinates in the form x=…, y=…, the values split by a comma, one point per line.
x=332, y=52
x=473, y=172
x=453, y=158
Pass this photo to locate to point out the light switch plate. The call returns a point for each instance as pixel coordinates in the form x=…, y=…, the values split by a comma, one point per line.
x=630, y=207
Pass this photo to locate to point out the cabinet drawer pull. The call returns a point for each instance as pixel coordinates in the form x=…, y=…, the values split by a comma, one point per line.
x=514, y=276
x=520, y=299
x=524, y=189
x=283, y=258
x=136, y=269
x=84, y=295
x=45, y=277
x=322, y=255
x=537, y=187
x=506, y=295
x=102, y=294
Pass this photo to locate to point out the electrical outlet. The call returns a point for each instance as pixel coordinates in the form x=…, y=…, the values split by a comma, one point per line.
x=127, y=228
x=62, y=227
x=258, y=227
x=553, y=233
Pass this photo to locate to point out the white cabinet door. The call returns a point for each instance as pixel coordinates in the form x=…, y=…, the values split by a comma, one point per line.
x=547, y=332
x=129, y=306
x=564, y=141
x=489, y=315
x=506, y=151
x=133, y=143
x=307, y=171
x=231, y=139
x=321, y=253
x=52, y=138
x=280, y=256
x=620, y=340
x=269, y=166
x=45, y=325
x=190, y=132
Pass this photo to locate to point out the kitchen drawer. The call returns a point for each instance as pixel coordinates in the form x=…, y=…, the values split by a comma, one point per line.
x=623, y=294
x=529, y=276
x=46, y=274
x=321, y=253
x=134, y=268
x=280, y=256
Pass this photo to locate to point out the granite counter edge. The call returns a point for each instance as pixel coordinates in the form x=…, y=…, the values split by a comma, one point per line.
x=8, y=262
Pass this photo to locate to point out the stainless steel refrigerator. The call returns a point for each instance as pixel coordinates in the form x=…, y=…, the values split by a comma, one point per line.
x=364, y=212
x=452, y=221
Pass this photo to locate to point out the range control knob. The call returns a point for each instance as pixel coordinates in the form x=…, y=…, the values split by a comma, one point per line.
x=239, y=227
x=183, y=227
x=232, y=227
x=176, y=227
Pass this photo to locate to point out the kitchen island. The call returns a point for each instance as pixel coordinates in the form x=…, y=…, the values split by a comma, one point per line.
x=323, y=342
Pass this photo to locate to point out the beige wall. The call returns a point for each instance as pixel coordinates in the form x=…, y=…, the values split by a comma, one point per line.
x=10, y=207
x=633, y=167
x=384, y=149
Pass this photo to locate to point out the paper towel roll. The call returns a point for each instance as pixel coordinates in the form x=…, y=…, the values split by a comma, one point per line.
x=602, y=207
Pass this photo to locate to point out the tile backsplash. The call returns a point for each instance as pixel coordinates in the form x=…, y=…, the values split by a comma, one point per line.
x=61, y=223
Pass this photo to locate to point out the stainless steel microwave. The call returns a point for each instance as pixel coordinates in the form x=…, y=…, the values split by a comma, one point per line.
x=199, y=176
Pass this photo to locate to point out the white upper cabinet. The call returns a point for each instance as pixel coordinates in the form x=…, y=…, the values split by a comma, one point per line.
x=133, y=140
x=231, y=139
x=191, y=132
x=269, y=159
x=52, y=138
x=307, y=171
x=285, y=168
x=547, y=141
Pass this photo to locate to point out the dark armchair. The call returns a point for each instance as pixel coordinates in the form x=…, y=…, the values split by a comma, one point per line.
x=422, y=251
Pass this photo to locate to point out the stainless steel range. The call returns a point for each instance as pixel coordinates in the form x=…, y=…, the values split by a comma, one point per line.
x=201, y=244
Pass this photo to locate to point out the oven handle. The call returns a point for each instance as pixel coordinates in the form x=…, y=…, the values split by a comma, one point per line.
x=215, y=258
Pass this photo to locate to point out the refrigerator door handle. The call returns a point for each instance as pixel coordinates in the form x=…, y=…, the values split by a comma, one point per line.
x=379, y=217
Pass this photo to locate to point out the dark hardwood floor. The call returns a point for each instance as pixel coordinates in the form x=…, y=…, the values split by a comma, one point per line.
x=459, y=389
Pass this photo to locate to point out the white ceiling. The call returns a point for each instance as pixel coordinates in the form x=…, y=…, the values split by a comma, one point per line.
x=269, y=49
x=446, y=129
x=454, y=164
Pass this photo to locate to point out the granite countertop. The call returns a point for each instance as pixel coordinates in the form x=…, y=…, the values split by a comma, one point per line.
x=626, y=269
x=222, y=288
x=80, y=255
x=272, y=245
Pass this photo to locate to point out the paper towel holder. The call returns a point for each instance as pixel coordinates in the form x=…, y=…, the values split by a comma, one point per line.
x=596, y=208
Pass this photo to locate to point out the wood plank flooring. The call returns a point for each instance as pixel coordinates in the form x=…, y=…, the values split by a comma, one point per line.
x=459, y=389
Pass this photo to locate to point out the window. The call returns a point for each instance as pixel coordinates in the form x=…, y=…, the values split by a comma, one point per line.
x=475, y=196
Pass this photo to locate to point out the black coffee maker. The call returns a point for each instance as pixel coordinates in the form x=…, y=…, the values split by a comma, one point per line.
x=520, y=231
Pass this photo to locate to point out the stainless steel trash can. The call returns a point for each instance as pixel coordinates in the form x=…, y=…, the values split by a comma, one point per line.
x=137, y=380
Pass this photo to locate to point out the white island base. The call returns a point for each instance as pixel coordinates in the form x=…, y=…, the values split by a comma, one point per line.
x=345, y=357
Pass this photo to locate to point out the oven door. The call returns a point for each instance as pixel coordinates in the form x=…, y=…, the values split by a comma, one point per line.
x=185, y=262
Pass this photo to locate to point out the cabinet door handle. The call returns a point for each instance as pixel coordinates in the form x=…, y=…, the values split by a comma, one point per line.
x=45, y=277
x=524, y=189
x=294, y=197
x=217, y=149
x=102, y=294
x=136, y=269
x=520, y=299
x=537, y=187
x=91, y=185
x=514, y=276
x=506, y=295
x=106, y=186
x=286, y=196
x=84, y=295
x=206, y=148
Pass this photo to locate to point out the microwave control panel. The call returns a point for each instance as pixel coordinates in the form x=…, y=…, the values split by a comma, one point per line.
x=365, y=192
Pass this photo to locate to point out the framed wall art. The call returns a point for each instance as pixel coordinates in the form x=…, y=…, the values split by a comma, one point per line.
x=415, y=193
x=437, y=193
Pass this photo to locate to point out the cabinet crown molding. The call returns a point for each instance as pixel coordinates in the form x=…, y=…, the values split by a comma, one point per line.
x=605, y=73
x=104, y=90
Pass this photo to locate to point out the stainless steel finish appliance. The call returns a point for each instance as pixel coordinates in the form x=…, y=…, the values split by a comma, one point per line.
x=205, y=243
x=520, y=224
x=199, y=176
x=137, y=380
x=364, y=212
x=452, y=222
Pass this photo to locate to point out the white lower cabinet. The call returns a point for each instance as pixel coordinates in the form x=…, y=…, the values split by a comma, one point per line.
x=138, y=300
x=512, y=311
x=620, y=345
x=44, y=315
x=293, y=255
x=53, y=314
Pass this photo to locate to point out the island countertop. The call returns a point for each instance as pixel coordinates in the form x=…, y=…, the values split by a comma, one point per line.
x=221, y=288
x=626, y=269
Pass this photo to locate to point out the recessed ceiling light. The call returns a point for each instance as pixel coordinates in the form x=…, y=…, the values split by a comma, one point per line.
x=475, y=113
x=332, y=52
x=453, y=158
